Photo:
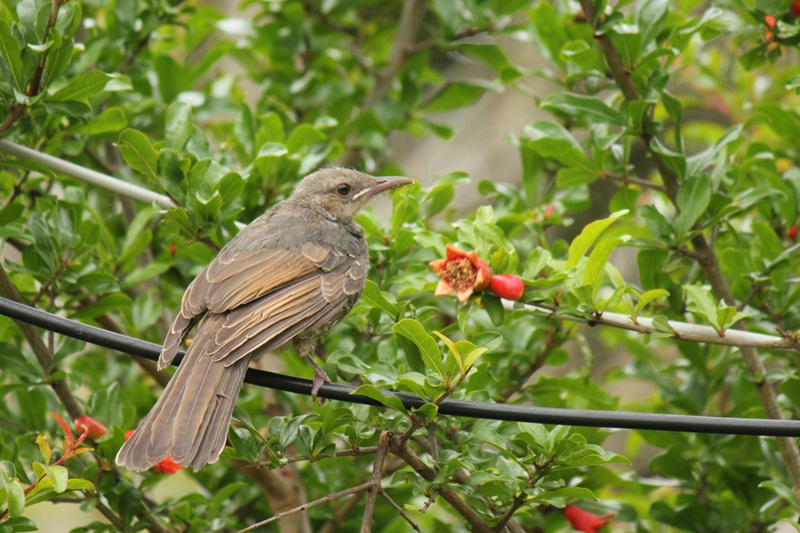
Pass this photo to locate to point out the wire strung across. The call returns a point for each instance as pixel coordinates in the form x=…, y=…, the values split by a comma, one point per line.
x=491, y=411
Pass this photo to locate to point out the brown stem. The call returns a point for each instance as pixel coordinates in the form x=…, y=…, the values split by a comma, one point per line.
x=400, y=449
x=43, y=355
x=325, y=499
x=16, y=190
x=519, y=500
x=375, y=486
x=339, y=453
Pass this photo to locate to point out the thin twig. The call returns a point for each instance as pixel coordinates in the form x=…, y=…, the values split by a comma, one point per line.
x=356, y=452
x=519, y=500
x=375, y=486
x=400, y=511
x=400, y=449
x=636, y=181
x=325, y=499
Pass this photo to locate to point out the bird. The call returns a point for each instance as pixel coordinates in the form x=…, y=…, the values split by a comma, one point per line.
x=291, y=274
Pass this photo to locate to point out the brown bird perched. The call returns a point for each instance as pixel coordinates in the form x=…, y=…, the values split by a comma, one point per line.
x=292, y=274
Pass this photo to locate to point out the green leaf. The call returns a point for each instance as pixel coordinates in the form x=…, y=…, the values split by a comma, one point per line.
x=596, y=264
x=494, y=308
x=11, y=53
x=784, y=491
x=392, y=402
x=248, y=448
x=302, y=136
x=179, y=126
x=415, y=332
x=377, y=298
x=490, y=54
x=652, y=14
x=583, y=55
x=783, y=121
x=646, y=298
x=59, y=476
x=675, y=111
x=14, y=492
x=112, y=119
x=535, y=263
x=728, y=315
x=470, y=358
x=549, y=139
x=674, y=161
x=58, y=58
x=13, y=361
x=455, y=95
x=586, y=109
x=702, y=302
x=139, y=153
x=588, y=236
x=568, y=178
x=693, y=199
x=698, y=163
x=628, y=42
x=451, y=346
x=82, y=87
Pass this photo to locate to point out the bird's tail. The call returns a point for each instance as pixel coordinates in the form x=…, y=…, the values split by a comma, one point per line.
x=190, y=421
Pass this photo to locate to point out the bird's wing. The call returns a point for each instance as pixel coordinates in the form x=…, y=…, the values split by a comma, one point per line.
x=267, y=297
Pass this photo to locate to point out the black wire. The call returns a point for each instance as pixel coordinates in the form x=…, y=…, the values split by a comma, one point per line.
x=491, y=411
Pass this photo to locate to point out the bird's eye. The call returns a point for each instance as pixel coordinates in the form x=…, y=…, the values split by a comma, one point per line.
x=343, y=189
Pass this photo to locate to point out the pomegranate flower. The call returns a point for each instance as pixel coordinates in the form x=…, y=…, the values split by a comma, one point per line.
x=94, y=429
x=461, y=272
x=585, y=521
x=165, y=466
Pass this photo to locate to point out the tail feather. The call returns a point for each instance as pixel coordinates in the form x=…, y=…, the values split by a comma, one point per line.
x=190, y=420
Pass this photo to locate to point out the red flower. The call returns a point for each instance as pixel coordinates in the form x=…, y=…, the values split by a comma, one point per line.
x=93, y=428
x=508, y=286
x=792, y=231
x=461, y=272
x=795, y=8
x=165, y=466
x=584, y=520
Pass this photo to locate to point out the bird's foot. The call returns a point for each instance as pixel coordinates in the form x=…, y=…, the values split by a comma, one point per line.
x=320, y=378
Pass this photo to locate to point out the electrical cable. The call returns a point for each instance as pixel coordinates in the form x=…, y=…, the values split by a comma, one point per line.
x=464, y=408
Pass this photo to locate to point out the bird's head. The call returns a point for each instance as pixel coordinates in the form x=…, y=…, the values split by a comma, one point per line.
x=340, y=193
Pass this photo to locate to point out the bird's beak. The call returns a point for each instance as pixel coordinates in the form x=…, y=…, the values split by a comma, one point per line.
x=383, y=184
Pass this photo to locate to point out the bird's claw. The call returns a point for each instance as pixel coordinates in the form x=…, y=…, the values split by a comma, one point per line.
x=320, y=378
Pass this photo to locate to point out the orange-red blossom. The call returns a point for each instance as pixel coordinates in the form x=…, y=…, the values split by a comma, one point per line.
x=462, y=273
x=584, y=520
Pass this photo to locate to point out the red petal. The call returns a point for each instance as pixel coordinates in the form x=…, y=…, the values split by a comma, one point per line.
x=451, y=252
x=438, y=266
x=464, y=295
x=167, y=466
x=443, y=288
